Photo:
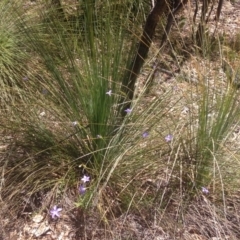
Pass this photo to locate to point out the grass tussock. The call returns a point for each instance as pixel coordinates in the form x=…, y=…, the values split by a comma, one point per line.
x=172, y=160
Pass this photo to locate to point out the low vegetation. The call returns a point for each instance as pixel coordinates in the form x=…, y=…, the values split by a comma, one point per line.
x=78, y=137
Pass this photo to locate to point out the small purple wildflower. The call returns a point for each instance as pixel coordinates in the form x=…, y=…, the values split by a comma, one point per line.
x=85, y=179
x=44, y=91
x=128, y=110
x=169, y=138
x=25, y=78
x=109, y=93
x=205, y=190
x=154, y=65
x=145, y=134
x=175, y=88
x=75, y=123
x=55, y=212
x=82, y=189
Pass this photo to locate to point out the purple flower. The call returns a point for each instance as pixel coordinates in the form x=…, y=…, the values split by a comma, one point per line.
x=205, y=190
x=154, y=65
x=169, y=138
x=55, y=212
x=128, y=110
x=145, y=134
x=75, y=123
x=44, y=91
x=175, y=88
x=85, y=179
x=82, y=189
x=109, y=93
x=25, y=78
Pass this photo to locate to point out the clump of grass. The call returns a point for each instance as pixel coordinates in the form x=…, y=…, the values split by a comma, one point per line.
x=77, y=114
x=70, y=125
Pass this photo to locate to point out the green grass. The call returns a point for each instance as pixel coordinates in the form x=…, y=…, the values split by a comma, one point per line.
x=13, y=57
x=63, y=124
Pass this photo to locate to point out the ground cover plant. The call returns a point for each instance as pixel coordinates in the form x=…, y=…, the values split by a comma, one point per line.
x=86, y=134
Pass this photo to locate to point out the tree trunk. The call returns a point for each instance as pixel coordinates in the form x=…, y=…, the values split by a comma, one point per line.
x=153, y=18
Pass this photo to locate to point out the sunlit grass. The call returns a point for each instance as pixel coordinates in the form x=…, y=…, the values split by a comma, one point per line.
x=68, y=123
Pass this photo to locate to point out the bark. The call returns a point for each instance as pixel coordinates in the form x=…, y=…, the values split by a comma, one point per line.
x=219, y=9
x=143, y=48
x=178, y=5
x=201, y=27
